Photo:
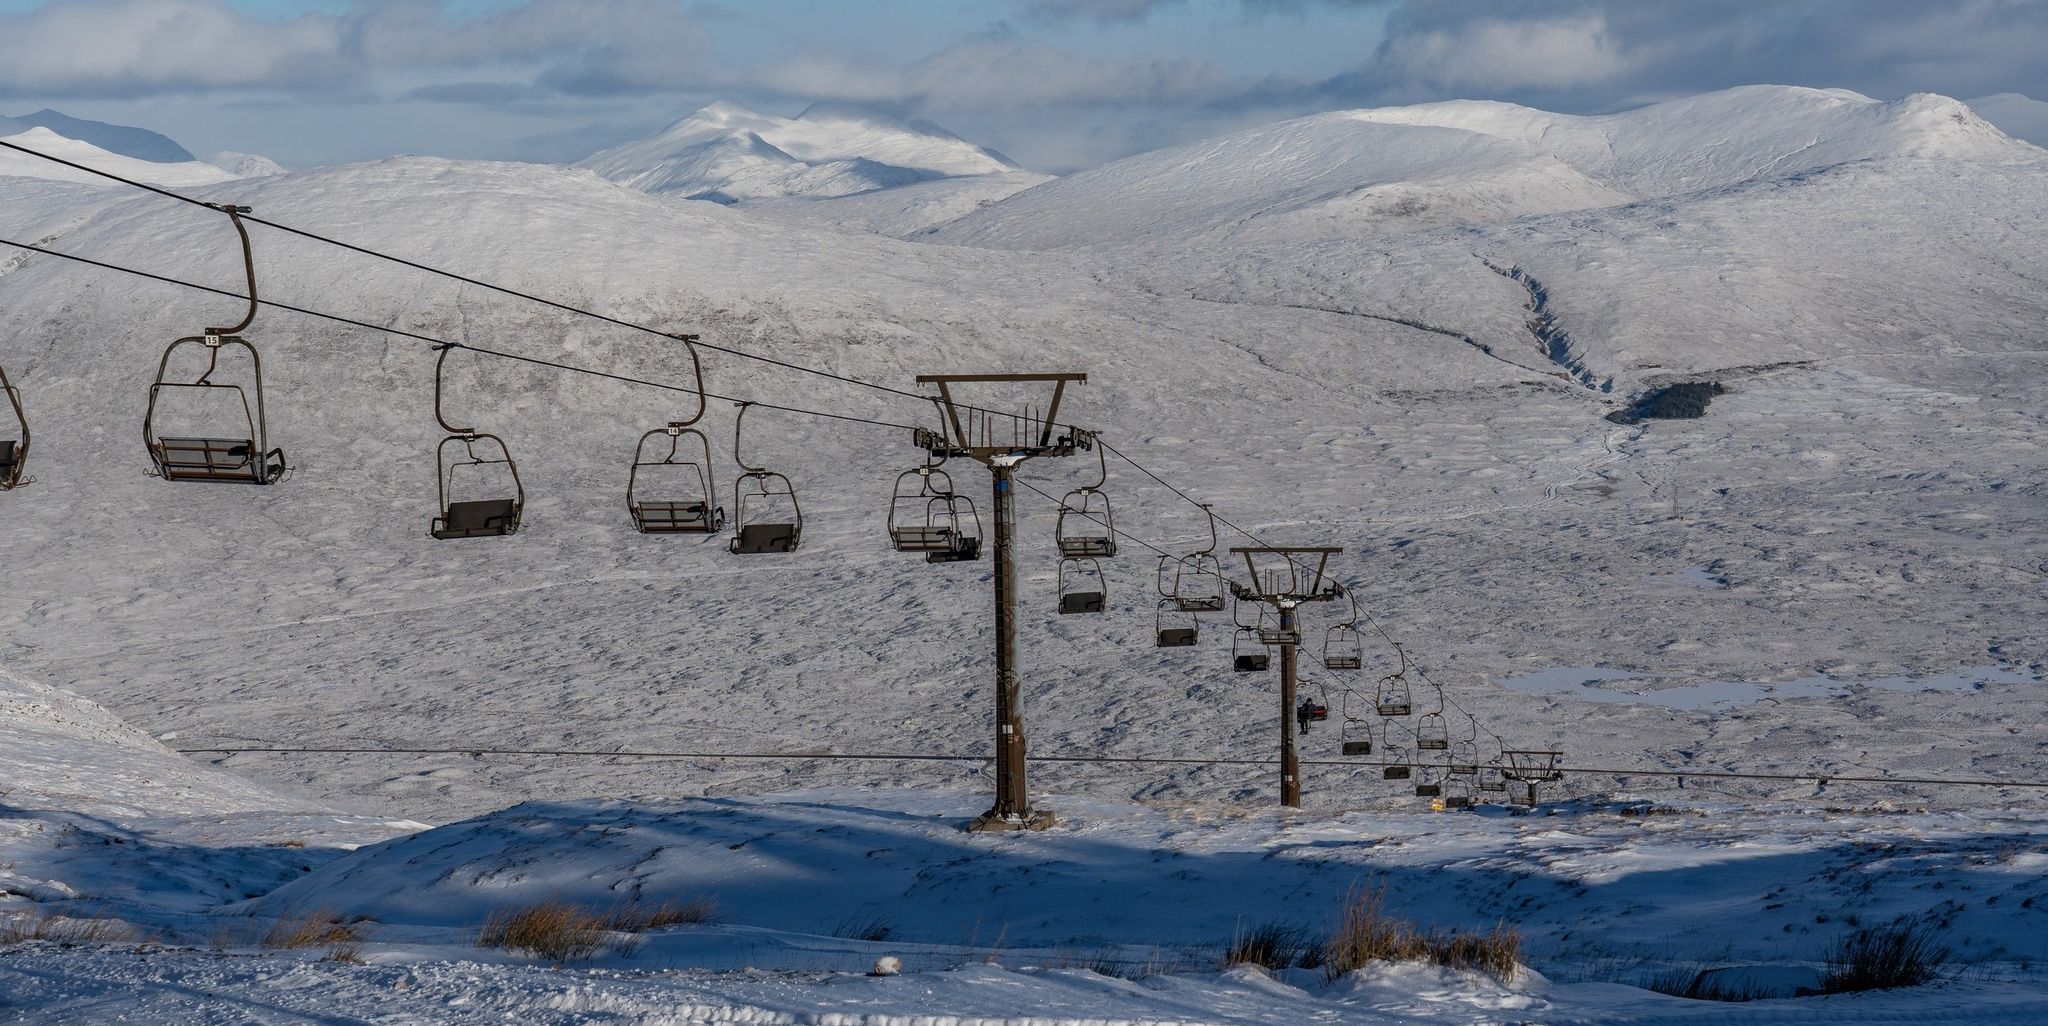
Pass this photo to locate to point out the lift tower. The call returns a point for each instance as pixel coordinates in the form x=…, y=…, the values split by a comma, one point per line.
x=1281, y=577
x=1002, y=441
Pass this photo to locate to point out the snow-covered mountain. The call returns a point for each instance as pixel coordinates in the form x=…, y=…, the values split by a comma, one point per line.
x=43, y=140
x=245, y=165
x=2021, y=117
x=1397, y=169
x=126, y=140
x=729, y=153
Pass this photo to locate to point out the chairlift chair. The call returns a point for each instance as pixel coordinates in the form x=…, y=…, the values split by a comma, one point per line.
x=13, y=451
x=239, y=450
x=1197, y=576
x=1311, y=711
x=1396, y=758
x=1086, y=528
x=684, y=509
x=1492, y=777
x=765, y=508
x=1393, y=696
x=1457, y=793
x=931, y=518
x=1081, y=586
x=680, y=495
x=491, y=517
x=1432, y=733
x=1355, y=737
x=1174, y=628
x=1464, y=758
x=1247, y=655
x=1429, y=784
x=1342, y=649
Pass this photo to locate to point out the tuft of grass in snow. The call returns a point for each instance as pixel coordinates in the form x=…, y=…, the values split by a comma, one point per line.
x=1273, y=946
x=1902, y=954
x=564, y=932
x=311, y=928
x=1366, y=933
x=868, y=928
x=68, y=930
x=1700, y=983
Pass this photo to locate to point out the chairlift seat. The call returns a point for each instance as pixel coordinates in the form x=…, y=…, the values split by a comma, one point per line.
x=1428, y=790
x=1464, y=769
x=677, y=518
x=217, y=459
x=1276, y=636
x=477, y=518
x=1432, y=744
x=1251, y=662
x=1087, y=546
x=964, y=549
x=1343, y=662
x=1393, y=708
x=1176, y=637
x=754, y=538
x=1315, y=713
x=1081, y=602
x=1199, y=603
x=1492, y=785
x=1395, y=773
x=1357, y=748
x=7, y=459
x=925, y=538
x=1458, y=801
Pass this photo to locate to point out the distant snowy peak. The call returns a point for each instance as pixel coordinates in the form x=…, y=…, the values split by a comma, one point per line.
x=1385, y=170
x=2021, y=117
x=245, y=165
x=729, y=153
x=128, y=141
x=43, y=140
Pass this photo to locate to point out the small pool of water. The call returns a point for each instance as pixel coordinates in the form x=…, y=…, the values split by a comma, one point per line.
x=1596, y=684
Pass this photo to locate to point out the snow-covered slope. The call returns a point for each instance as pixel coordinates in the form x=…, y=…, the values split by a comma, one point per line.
x=902, y=211
x=728, y=152
x=1402, y=168
x=42, y=140
x=2021, y=117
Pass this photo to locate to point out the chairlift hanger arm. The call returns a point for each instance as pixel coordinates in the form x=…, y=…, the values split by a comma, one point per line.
x=697, y=373
x=440, y=375
x=737, y=420
x=248, y=267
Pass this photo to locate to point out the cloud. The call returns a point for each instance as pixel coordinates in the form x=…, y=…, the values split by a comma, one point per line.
x=1002, y=74
x=134, y=48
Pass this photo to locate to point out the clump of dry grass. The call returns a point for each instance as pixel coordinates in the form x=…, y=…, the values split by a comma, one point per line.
x=1903, y=954
x=313, y=928
x=1273, y=946
x=87, y=929
x=1366, y=932
x=564, y=932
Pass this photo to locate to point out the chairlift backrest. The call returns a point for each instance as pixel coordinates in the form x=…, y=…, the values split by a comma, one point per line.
x=1174, y=628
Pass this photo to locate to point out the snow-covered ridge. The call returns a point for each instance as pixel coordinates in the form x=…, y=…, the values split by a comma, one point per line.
x=728, y=152
x=42, y=140
x=1393, y=169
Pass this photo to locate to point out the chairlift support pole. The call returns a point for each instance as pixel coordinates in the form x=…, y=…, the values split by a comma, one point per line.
x=976, y=437
x=1287, y=593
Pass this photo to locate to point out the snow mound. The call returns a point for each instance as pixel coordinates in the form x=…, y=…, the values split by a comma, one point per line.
x=728, y=152
x=60, y=751
x=902, y=211
x=42, y=140
x=1397, y=169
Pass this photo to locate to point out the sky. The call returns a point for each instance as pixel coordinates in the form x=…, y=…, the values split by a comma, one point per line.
x=1055, y=84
